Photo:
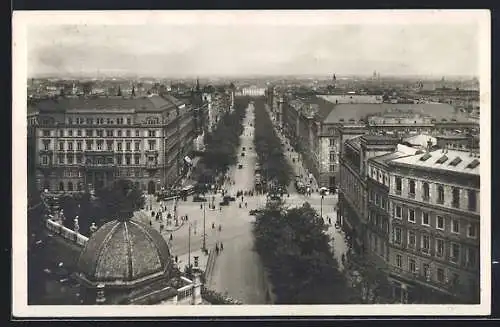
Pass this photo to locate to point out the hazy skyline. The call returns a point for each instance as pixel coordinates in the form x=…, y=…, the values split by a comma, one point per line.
x=230, y=50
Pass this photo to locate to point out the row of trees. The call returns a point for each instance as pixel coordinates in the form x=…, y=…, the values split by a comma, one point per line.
x=222, y=143
x=295, y=249
x=117, y=201
x=269, y=148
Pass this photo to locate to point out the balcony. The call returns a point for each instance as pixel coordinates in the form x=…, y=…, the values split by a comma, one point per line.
x=98, y=153
x=49, y=152
x=104, y=166
x=411, y=195
x=152, y=165
x=425, y=198
x=397, y=192
x=151, y=152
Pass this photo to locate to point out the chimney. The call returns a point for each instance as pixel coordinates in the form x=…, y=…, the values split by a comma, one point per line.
x=100, y=298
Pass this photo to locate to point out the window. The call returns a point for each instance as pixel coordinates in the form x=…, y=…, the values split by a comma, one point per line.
x=397, y=235
x=79, y=132
x=119, y=121
x=127, y=160
x=331, y=168
x=100, y=133
x=46, y=145
x=78, y=159
x=109, y=133
x=426, y=270
x=472, y=200
x=119, y=146
x=152, y=145
x=61, y=159
x=425, y=218
x=372, y=196
x=137, y=133
x=399, y=261
x=412, y=265
x=412, y=239
x=70, y=146
x=89, y=145
x=119, y=132
x=440, y=222
x=455, y=252
x=440, y=275
x=398, y=185
x=127, y=132
x=129, y=121
x=384, y=203
x=426, y=243
x=470, y=257
x=136, y=159
x=61, y=146
x=439, y=247
x=411, y=192
x=61, y=133
x=70, y=132
x=399, y=212
x=128, y=145
x=45, y=160
x=377, y=199
x=411, y=215
x=471, y=231
x=109, y=145
x=88, y=133
x=440, y=199
x=456, y=197
x=79, y=146
x=425, y=194
x=455, y=226
x=70, y=159
x=46, y=133
x=332, y=142
x=332, y=156
x=61, y=186
x=119, y=160
x=99, y=145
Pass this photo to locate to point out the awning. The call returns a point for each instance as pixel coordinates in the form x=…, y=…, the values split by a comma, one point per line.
x=188, y=160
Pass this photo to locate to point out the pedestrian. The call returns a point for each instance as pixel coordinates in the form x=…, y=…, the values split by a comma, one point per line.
x=213, y=225
x=329, y=220
x=216, y=249
x=221, y=246
x=176, y=259
x=246, y=205
x=220, y=228
x=150, y=223
x=152, y=214
x=201, y=206
x=161, y=227
x=171, y=237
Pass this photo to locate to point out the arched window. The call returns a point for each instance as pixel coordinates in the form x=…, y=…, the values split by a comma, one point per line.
x=61, y=186
x=440, y=199
x=426, y=191
x=70, y=186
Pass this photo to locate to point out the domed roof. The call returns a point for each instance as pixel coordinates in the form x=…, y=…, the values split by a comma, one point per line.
x=123, y=252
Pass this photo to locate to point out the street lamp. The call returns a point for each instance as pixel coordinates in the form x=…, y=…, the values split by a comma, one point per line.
x=321, y=206
x=204, y=232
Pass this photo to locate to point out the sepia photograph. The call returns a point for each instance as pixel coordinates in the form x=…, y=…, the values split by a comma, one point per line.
x=251, y=163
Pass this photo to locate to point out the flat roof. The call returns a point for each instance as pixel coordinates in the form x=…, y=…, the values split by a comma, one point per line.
x=449, y=160
x=347, y=111
x=149, y=103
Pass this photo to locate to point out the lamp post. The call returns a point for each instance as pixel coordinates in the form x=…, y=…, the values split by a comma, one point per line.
x=321, y=206
x=204, y=232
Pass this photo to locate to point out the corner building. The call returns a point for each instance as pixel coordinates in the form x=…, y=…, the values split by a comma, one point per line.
x=416, y=213
x=79, y=143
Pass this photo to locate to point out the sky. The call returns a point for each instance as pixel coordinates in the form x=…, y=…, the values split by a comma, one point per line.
x=253, y=49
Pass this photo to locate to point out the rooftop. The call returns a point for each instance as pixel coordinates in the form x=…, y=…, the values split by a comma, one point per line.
x=352, y=98
x=345, y=112
x=149, y=103
x=449, y=160
x=420, y=140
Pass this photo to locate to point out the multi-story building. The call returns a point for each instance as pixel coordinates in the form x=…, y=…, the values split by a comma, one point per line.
x=417, y=212
x=319, y=125
x=85, y=142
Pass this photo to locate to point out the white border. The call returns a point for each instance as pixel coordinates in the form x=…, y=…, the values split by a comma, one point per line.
x=19, y=177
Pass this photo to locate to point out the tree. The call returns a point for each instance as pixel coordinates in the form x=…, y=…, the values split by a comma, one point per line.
x=120, y=200
x=295, y=249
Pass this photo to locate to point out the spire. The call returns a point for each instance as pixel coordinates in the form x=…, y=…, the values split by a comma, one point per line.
x=198, y=84
x=133, y=90
x=119, y=91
